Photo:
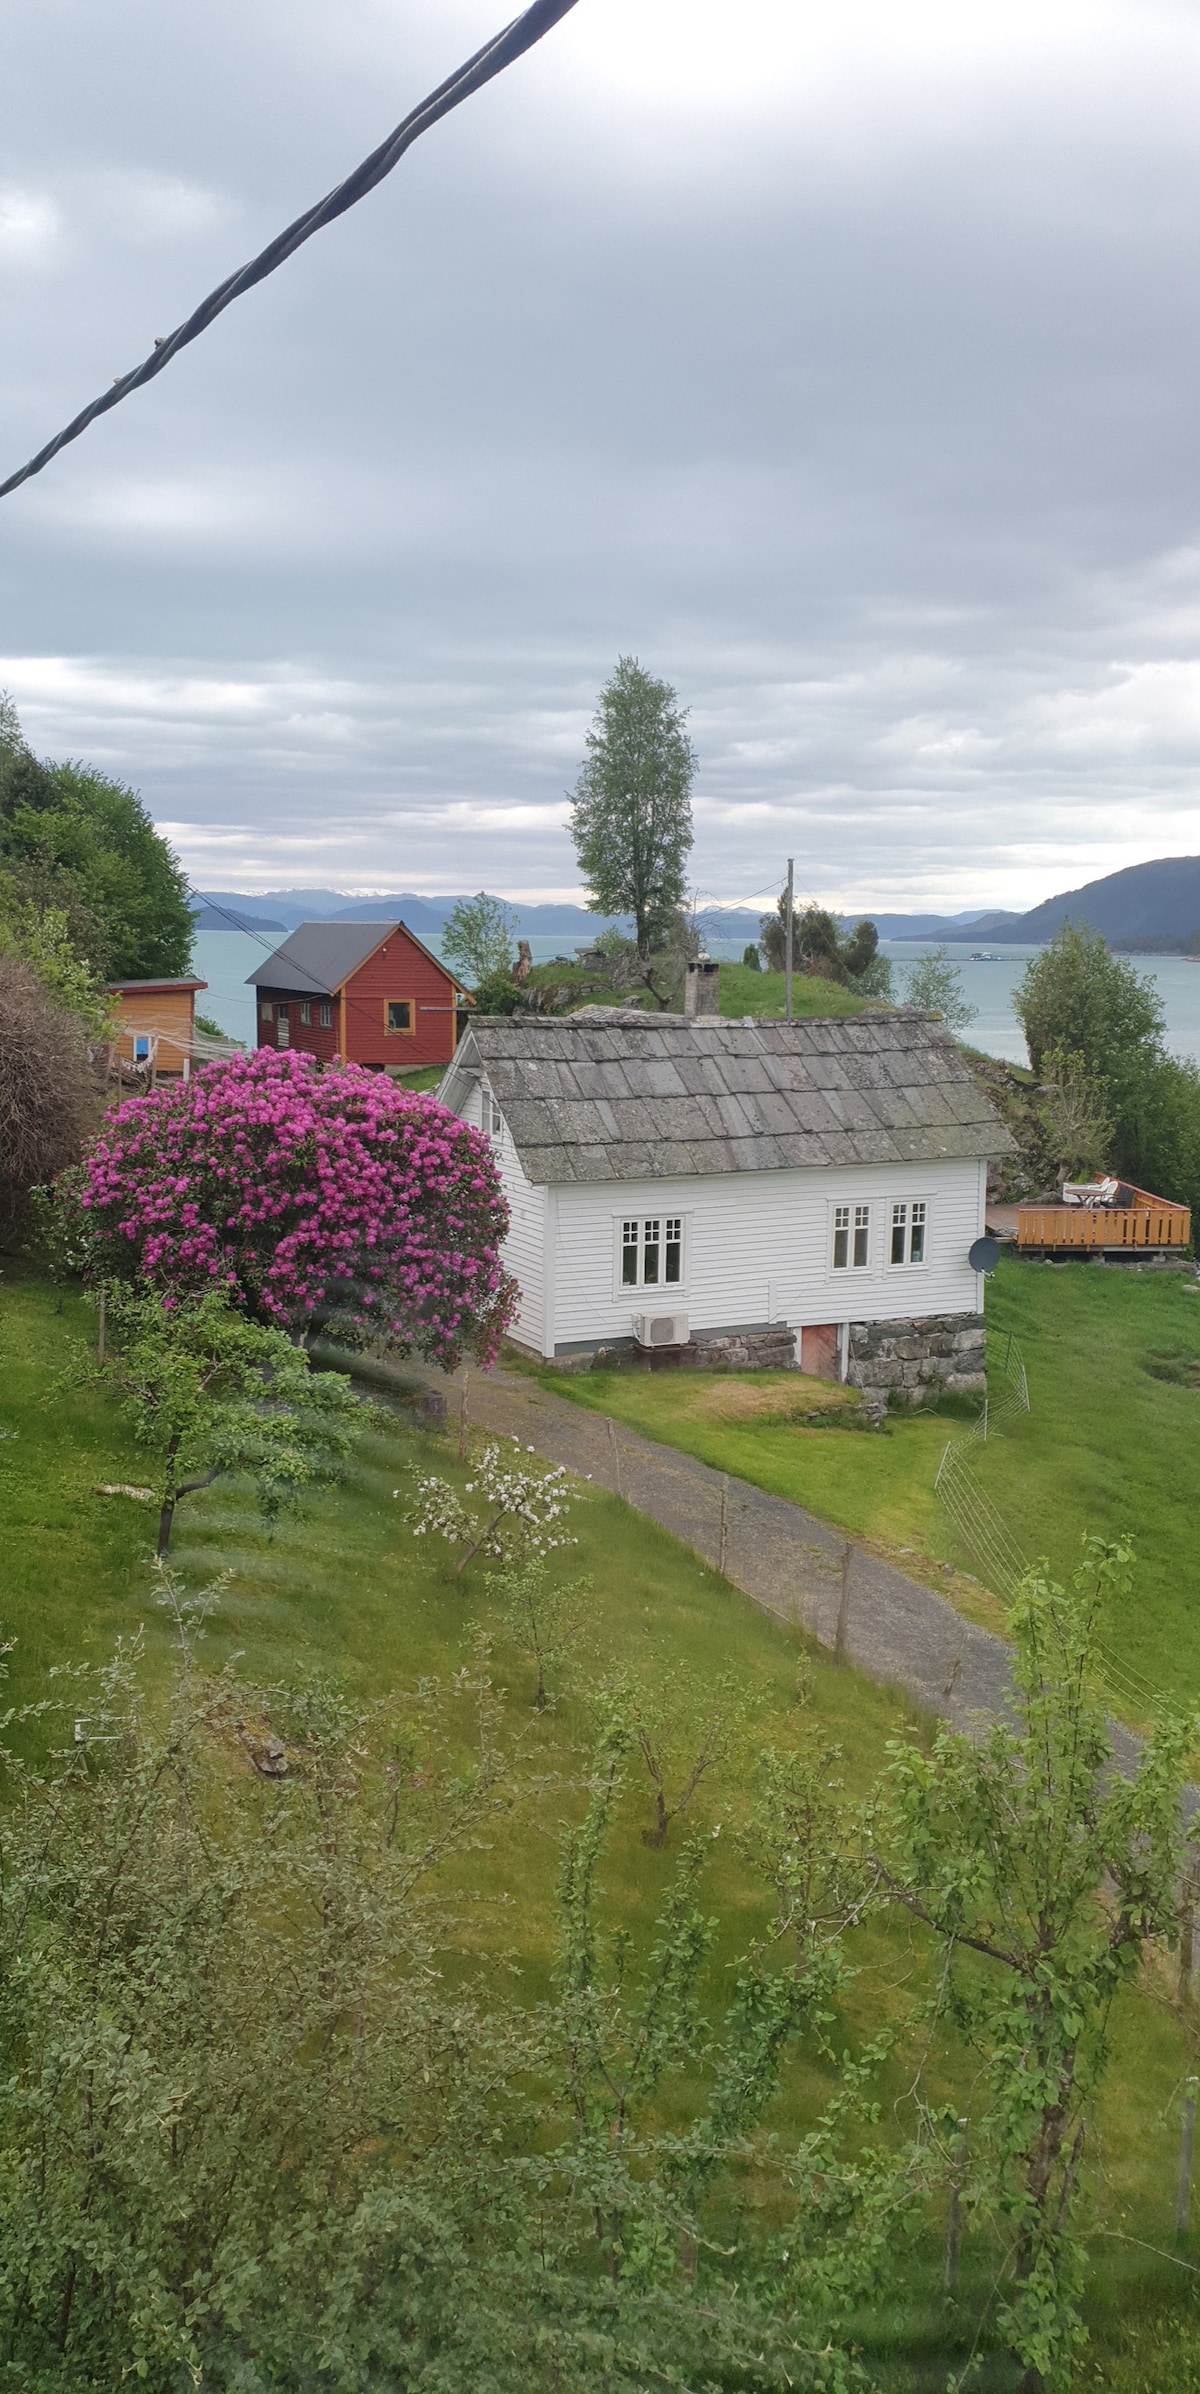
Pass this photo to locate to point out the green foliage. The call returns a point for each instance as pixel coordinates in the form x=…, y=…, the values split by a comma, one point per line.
x=752, y=957
x=478, y=941
x=245, y=2134
x=822, y=952
x=934, y=986
x=1026, y=1852
x=543, y=1616
x=73, y=840
x=1075, y=994
x=1160, y=1131
x=613, y=943
x=497, y=994
x=1074, y=1126
x=60, y=1228
x=51, y=1092
x=816, y=2224
x=209, y=1392
x=620, y=2034
x=43, y=937
x=631, y=815
x=875, y=980
x=1078, y=996
x=681, y=1723
x=267, y=2122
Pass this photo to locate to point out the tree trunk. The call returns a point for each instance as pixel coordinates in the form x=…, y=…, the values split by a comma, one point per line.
x=170, y=1496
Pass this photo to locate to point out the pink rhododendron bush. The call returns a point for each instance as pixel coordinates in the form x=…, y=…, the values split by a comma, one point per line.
x=320, y=1199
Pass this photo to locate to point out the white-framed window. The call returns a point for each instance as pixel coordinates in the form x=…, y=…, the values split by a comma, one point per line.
x=490, y=1116
x=909, y=1231
x=851, y=1237
x=305, y=1010
x=326, y=1017
x=267, y=1010
x=283, y=1028
x=651, y=1251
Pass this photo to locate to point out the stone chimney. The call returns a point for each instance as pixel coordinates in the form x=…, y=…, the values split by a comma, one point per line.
x=701, y=990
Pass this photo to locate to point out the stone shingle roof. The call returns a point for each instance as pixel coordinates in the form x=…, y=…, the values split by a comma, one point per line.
x=664, y=1097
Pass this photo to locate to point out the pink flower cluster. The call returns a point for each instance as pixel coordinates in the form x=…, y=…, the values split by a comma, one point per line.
x=322, y=1198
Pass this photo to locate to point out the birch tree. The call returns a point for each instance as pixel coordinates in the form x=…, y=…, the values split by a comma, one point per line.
x=631, y=815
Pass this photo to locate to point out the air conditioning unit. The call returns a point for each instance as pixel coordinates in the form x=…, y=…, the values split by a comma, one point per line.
x=661, y=1329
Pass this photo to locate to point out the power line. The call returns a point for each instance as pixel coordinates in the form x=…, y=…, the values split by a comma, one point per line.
x=353, y=1004
x=495, y=55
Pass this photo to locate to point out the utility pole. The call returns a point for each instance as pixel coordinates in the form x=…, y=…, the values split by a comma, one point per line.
x=787, y=940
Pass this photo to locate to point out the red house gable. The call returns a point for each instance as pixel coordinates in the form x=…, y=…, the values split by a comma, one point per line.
x=366, y=992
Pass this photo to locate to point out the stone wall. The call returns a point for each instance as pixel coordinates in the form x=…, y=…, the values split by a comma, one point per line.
x=931, y=1354
x=758, y=1347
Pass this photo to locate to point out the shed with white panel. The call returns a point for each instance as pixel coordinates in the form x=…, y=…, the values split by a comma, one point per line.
x=740, y=1193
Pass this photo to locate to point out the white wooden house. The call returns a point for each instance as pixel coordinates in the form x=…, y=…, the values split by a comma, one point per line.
x=739, y=1192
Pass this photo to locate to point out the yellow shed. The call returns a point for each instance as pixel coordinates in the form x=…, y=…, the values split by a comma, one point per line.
x=156, y=1026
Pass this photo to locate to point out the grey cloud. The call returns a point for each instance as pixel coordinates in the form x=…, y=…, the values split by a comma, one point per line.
x=869, y=422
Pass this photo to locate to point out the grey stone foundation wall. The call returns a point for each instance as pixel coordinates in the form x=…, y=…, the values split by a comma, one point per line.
x=757, y=1347
x=931, y=1354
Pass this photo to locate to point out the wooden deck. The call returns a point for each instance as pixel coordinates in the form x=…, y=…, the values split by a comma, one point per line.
x=1149, y=1222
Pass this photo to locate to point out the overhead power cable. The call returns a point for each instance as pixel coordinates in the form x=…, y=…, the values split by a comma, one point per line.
x=276, y=947
x=500, y=52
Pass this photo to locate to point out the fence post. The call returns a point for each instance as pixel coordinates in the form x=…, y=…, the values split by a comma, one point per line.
x=616, y=1455
x=958, y=2179
x=839, y=1642
x=724, y=1538
x=100, y=1321
x=1187, y=1927
x=1187, y=2145
x=463, y=1420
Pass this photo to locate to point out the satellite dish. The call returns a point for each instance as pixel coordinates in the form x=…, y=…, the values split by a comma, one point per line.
x=984, y=1255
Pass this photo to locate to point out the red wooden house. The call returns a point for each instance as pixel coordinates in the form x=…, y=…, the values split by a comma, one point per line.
x=366, y=992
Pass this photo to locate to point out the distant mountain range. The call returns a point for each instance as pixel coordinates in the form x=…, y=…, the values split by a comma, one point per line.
x=1148, y=908
x=1152, y=907
x=282, y=909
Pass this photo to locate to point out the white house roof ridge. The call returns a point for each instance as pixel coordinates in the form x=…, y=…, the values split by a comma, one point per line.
x=663, y=1097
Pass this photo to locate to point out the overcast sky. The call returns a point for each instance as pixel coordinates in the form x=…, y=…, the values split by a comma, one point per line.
x=843, y=366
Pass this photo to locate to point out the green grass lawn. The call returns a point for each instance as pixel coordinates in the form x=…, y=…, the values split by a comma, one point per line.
x=346, y=1589
x=743, y=991
x=426, y=1077
x=1110, y=1445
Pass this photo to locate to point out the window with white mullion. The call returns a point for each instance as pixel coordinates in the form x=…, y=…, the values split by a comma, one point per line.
x=909, y=1225
x=652, y=1251
x=851, y=1238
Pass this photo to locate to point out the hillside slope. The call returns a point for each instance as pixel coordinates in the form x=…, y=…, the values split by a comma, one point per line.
x=1157, y=903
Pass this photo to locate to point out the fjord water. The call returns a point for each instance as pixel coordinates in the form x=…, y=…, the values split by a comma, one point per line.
x=223, y=959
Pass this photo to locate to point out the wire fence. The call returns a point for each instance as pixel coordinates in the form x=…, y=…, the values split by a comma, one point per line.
x=981, y=1530
x=975, y=1520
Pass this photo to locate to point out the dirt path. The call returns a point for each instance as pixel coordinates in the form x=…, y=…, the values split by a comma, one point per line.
x=891, y=1627
x=785, y=1559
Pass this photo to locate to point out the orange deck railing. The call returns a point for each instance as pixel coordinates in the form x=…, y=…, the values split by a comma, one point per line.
x=1149, y=1222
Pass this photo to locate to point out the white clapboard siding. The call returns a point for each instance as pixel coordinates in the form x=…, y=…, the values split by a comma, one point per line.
x=758, y=1247
x=524, y=1249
